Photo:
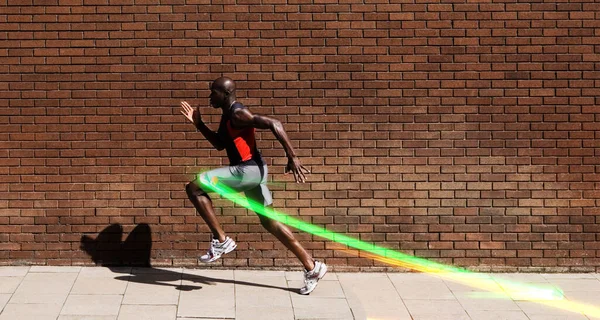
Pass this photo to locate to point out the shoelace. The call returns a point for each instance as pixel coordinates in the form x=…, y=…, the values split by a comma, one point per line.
x=211, y=250
x=309, y=275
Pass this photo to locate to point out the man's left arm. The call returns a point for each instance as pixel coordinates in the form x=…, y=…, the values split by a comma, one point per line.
x=244, y=118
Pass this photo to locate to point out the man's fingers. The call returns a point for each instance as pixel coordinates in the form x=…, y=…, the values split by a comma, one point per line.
x=187, y=111
x=297, y=176
x=302, y=175
x=303, y=168
x=187, y=115
x=184, y=107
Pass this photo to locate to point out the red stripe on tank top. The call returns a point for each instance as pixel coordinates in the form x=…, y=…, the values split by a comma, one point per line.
x=243, y=139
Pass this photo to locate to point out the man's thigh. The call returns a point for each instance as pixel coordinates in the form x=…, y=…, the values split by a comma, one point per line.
x=261, y=195
x=248, y=179
x=227, y=176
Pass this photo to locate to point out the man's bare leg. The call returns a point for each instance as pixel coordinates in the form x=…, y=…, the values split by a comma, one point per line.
x=285, y=235
x=204, y=207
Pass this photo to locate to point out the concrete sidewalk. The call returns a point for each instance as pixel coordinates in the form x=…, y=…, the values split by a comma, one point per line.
x=69, y=293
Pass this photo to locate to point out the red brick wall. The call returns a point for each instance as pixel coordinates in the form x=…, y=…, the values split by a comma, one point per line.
x=462, y=132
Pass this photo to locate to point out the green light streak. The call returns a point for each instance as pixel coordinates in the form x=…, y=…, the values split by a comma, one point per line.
x=525, y=291
x=259, y=208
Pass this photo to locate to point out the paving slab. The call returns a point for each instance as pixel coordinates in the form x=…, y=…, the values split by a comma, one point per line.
x=414, y=277
x=207, y=298
x=13, y=271
x=184, y=318
x=99, y=285
x=474, y=284
x=418, y=290
x=497, y=315
x=462, y=316
x=434, y=307
x=248, y=274
x=152, y=293
x=4, y=297
x=488, y=305
x=556, y=317
x=145, y=312
x=306, y=307
x=80, y=317
x=44, y=288
x=269, y=313
x=519, y=277
x=100, y=272
x=540, y=310
x=53, y=269
x=521, y=291
x=92, y=305
x=268, y=292
x=569, y=275
x=9, y=284
x=210, y=275
x=589, y=284
x=30, y=311
x=372, y=295
x=156, y=270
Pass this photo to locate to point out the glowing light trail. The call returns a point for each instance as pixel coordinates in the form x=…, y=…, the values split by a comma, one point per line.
x=520, y=291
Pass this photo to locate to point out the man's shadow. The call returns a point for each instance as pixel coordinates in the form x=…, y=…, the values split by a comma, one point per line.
x=107, y=250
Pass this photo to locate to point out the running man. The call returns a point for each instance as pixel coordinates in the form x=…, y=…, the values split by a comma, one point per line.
x=247, y=172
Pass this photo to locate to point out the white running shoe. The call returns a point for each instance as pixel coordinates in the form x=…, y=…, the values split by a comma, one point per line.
x=312, y=277
x=217, y=249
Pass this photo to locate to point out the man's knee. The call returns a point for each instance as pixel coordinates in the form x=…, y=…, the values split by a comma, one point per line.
x=266, y=222
x=193, y=190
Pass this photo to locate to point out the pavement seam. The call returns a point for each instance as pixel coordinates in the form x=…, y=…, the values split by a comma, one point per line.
x=287, y=285
x=455, y=297
x=179, y=296
x=387, y=275
x=235, y=307
x=12, y=293
x=125, y=292
x=69, y=293
x=346, y=298
x=510, y=296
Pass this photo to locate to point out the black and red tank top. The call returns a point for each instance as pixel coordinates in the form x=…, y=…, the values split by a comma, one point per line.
x=240, y=144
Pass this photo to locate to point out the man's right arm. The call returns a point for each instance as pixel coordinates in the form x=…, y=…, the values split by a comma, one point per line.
x=210, y=135
x=194, y=117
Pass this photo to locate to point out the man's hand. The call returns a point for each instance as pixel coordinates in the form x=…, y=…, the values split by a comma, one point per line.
x=188, y=112
x=297, y=169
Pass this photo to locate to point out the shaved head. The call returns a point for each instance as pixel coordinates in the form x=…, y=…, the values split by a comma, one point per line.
x=222, y=93
x=224, y=84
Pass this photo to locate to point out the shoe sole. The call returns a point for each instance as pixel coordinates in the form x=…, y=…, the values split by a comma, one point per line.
x=321, y=275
